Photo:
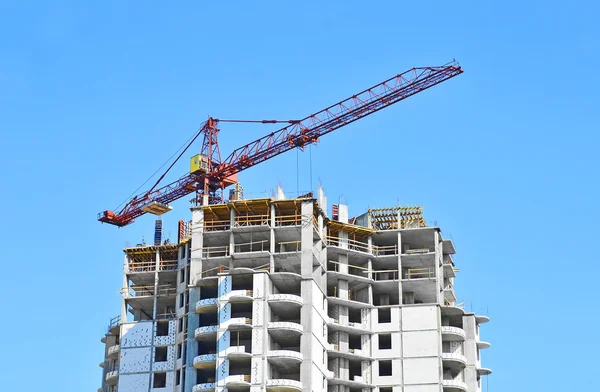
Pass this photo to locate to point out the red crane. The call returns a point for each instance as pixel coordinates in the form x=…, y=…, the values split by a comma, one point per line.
x=210, y=174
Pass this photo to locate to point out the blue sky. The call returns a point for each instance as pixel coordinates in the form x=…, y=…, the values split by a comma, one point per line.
x=95, y=97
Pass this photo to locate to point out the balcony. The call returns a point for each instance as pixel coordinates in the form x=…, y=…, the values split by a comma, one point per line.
x=238, y=352
x=237, y=323
x=238, y=296
x=207, y=386
x=449, y=293
x=351, y=353
x=353, y=382
x=283, y=356
x=286, y=299
x=481, y=319
x=112, y=377
x=283, y=385
x=449, y=271
x=113, y=325
x=237, y=381
x=335, y=300
x=113, y=351
x=482, y=345
x=484, y=371
x=285, y=326
x=205, y=331
x=206, y=305
x=205, y=361
x=454, y=386
x=349, y=327
x=454, y=360
x=451, y=334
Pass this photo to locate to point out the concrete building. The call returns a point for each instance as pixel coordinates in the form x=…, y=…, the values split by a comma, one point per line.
x=275, y=295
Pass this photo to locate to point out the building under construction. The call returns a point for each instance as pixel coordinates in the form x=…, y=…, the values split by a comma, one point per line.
x=276, y=294
x=279, y=294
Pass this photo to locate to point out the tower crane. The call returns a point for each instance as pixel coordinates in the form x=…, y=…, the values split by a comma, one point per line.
x=210, y=174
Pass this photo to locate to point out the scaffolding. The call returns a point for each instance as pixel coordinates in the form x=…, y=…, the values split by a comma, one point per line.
x=391, y=218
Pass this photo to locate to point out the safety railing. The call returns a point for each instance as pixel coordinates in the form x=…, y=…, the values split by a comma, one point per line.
x=167, y=265
x=420, y=273
x=349, y=269
x=254, y=246
x=288, y=246
x=315, y=223
x=381, y=275
x=141, y=266
x=114, y=322
x=217, y=225
x=144, y=291
x=250, y=220
x=385, y=250
x=352, y=295
x=347, y=244
x=212, y=272
x=288, y=220
x=215, y=251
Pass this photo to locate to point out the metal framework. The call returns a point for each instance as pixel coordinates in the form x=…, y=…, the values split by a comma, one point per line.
x=396, y=217
x=298, y=134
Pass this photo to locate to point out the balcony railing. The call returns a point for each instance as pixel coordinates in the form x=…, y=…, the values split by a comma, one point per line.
x=448, y=330
x=113, y=351
x=286, y=298
x=286, y=325
x=456, y=384
x=455, y=357
x=207, y=386
x=281, y=384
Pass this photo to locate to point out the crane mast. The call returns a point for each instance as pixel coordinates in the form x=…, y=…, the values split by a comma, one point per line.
x=210, y=172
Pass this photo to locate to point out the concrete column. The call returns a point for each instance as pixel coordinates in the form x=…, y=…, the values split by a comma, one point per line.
x=126, y=293
x=191, y=348
x=439, y=277
x=401, y=300
x=156, y=268
x=196, y=245
x=231, y=236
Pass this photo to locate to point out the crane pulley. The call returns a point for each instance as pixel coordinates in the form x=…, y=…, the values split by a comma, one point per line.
x=209, y=172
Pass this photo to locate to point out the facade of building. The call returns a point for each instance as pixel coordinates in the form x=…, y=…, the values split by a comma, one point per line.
x=274, y=295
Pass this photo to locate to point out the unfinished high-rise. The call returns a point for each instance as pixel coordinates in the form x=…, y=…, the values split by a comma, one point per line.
x=276, y=294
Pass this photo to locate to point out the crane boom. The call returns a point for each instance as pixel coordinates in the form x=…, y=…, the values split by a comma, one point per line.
x=298, y=134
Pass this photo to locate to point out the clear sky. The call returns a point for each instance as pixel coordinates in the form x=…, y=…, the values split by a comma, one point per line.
x=95, y=96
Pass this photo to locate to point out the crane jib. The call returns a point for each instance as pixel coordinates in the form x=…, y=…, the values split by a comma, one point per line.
x=298, y=134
